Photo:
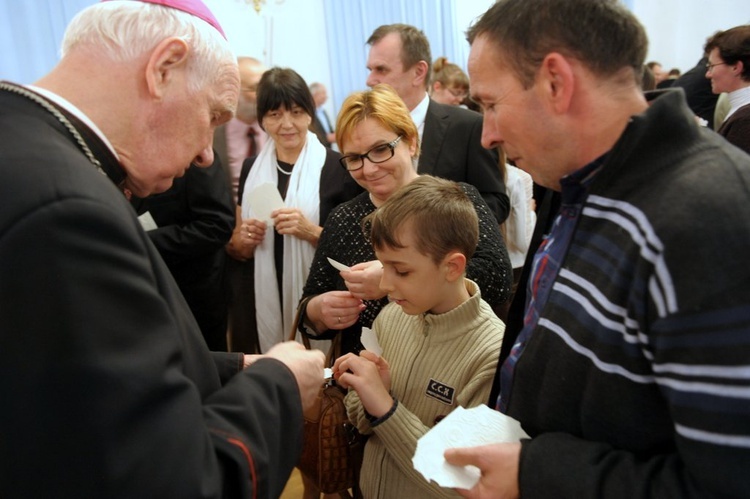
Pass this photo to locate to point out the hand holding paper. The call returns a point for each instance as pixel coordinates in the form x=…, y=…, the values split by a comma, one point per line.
x=370, y=341
x=363, y=280
x=265, y=199
x=462, y=428
x=338, y=266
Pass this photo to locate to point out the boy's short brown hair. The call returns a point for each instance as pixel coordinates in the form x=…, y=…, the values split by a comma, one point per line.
x=443, y=218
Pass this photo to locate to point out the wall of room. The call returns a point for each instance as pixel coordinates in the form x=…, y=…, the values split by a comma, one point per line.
x=294, y=32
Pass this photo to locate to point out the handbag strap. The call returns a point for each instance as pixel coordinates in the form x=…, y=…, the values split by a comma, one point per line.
x=333, y=353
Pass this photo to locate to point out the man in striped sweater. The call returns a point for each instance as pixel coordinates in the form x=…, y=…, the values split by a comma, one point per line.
x=632, y=371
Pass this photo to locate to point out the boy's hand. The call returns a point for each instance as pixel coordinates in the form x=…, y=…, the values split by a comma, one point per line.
x=383, y=368
x=363, y=375
x=363, y=280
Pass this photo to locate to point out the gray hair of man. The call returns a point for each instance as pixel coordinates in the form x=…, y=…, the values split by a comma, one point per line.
x=126, y=30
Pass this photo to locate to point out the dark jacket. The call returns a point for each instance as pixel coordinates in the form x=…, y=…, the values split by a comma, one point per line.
x=107, y=387
x=195, y=219
x=634, y=381
x=451, y=148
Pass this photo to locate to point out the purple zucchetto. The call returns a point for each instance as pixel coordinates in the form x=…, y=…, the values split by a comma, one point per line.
x=193, y=7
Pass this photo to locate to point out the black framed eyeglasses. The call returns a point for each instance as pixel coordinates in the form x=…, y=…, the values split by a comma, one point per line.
x=378, y=154
x=710, y=66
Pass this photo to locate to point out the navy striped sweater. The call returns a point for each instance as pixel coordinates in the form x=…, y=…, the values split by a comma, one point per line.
x=636, y=380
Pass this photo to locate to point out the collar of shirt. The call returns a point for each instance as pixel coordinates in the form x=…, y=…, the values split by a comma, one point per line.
x=69, y=107
x=419, y=114
x=737, y=99
x=575, y=185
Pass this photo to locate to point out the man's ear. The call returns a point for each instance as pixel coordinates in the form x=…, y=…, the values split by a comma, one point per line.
x=455, y=263
x=738, y=67
x=168, y=56
x=420, y=73
x=557, y=81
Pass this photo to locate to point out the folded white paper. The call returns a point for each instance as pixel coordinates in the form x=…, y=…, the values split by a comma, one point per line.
x=462, y=428
x=370, y=341
x=147, y=221
x=265, y=199
x=338, y=265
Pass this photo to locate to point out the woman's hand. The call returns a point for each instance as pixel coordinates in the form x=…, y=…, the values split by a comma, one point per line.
x=334, y=310
x=292, y=222
x=364, y=375
x=248, y=233
x=363, y=280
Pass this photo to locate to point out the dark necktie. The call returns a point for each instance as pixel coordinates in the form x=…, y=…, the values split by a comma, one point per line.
x=328, y=122
x=252, y=145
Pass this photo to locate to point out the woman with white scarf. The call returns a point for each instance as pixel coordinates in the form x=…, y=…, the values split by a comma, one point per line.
x=310, y=182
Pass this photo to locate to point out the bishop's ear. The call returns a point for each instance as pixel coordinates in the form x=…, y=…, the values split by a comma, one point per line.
x=167, y=59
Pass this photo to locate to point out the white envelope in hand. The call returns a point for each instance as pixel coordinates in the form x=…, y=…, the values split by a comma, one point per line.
x=462, y=428
x=264, y=200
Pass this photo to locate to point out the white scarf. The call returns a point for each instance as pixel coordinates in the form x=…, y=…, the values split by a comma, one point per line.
x=303, y=193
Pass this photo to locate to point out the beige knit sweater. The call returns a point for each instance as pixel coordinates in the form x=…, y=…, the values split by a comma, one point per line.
x=438, y=362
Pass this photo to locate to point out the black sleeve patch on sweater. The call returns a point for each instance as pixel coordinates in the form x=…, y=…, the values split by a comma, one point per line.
x=440, y=391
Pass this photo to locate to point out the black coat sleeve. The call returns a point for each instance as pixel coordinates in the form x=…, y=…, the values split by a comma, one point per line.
x=452, y=149
x=107, y=384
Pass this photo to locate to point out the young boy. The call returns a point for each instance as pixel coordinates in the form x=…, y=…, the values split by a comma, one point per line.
x=440, y=339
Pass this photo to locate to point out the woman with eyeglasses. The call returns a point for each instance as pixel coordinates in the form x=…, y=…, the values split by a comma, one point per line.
x=449, y=84
x=309, y=179
x=728, y=68
x=379, y=143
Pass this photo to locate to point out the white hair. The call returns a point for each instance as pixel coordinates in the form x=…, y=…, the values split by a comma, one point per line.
x=125, y=30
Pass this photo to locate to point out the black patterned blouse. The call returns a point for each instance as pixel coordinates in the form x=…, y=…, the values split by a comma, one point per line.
x=344, y=240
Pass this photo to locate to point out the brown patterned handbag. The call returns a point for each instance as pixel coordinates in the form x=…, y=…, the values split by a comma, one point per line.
x=333, y=448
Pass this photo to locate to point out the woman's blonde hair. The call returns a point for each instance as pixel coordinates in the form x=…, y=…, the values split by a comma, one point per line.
x=381, y=104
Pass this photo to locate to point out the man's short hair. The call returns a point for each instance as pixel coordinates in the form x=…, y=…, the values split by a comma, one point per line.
x=381, y=104
x=415, y=46
x=734, y=47
x=443, y=218
x=602, y=34
x=283, y=87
